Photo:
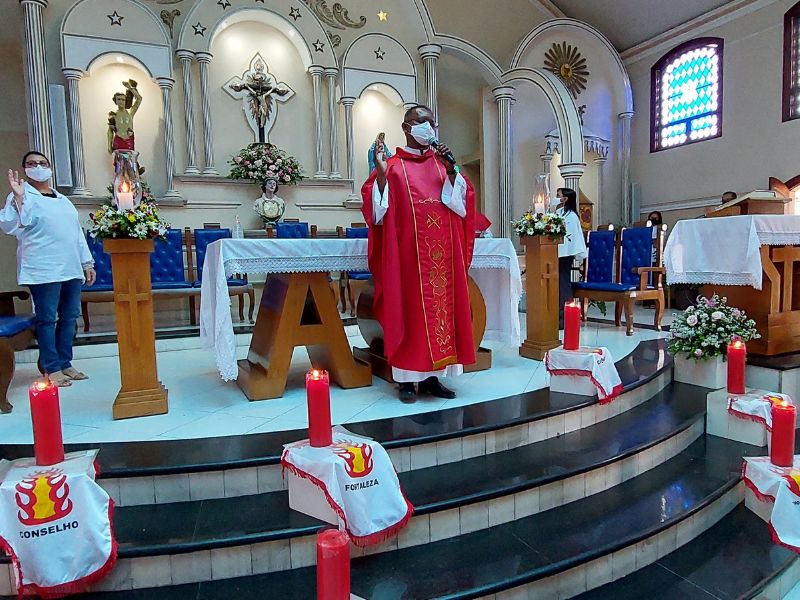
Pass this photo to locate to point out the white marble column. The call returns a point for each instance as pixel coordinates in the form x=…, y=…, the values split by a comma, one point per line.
x=166, y=83
x=203, y=60
x=430, y=55
x=625, y=141
x=572, y=172
x=333, y=109
x=36, y=77
x=316, y=79
x=186, y=57
x=73, y=77
x=348, y=102
x=504, y=96
x=600, y=161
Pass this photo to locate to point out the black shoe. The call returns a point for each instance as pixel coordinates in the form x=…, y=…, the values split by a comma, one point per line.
x=434, y=387
x=407, y=393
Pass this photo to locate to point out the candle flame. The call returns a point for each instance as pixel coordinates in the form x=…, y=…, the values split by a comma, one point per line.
x=125, y=187
x=41, y=385
x=738, y=344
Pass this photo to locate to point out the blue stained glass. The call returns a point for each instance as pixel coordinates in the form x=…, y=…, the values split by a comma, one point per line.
x=689, y=97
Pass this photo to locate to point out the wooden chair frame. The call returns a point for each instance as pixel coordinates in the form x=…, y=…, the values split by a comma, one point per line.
x=346, y=285
x=10, y=345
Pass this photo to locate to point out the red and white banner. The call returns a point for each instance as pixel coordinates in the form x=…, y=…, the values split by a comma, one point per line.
x=780, y=486
x=594, y=363
x=55, y=523
x=756, y=406
x=359, y=482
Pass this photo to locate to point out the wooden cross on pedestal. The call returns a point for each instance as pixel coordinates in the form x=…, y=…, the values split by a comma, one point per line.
x=133, y=297
x=548, y=276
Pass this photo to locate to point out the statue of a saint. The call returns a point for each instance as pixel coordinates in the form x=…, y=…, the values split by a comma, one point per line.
x=261, y=91
x=120, y=122
x=269, y=206
x=371, y=154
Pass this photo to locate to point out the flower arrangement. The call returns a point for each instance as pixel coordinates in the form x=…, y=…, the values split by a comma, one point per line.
x=260, y=162
x=704, y=330
x=141, y=222
x=536, y=223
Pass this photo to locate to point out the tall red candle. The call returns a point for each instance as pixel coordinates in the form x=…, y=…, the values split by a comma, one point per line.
x=333, y=565
x=572, y=326
x=784, y=421
x=737, y=356
x=318, y=394
x=48, y=445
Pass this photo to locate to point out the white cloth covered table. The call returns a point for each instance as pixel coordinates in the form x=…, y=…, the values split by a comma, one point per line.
x=781, y=486
x=495, y=268
x=726, y=250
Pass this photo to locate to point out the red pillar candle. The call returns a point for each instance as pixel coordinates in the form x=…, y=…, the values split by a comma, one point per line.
x=572, y=326
x=48, y=446
x=737, y=356
x=784, y=421
x=333, y=565
x=318, y=393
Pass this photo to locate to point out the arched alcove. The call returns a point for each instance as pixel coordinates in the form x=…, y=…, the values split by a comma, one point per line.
x=378, y=58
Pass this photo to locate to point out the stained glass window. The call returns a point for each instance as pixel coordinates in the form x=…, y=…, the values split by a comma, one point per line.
x=687, y=94
x=791, y=64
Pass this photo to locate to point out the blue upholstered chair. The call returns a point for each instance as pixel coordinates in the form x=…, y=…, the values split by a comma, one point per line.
x=16, y=333
x=347, y=280
x=103, y=288
x=167, y=267
x=621, y=270
x=292, y=229
x=237, y=286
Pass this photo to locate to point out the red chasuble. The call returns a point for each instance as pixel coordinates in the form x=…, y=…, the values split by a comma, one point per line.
x=419, y=256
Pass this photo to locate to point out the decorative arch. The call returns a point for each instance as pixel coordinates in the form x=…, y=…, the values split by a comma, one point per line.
x=567, y=118
x=205, y=19
x=140, y=34
x=460, y=47
x=623, y=82
x=376, y=58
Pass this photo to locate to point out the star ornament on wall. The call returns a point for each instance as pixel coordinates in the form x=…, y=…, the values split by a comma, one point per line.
x=223, y=4
x=566, y=62
x=318, y=46
x=379, y=53
x=199, y=29
x=116, y=18
x=383, y=16
x=294, y=13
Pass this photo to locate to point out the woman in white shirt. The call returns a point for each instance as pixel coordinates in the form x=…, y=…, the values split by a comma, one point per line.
x=573, y=247
x=53, y=260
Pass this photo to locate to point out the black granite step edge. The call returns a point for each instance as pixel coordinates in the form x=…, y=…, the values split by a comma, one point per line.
x=169, y=457
x=709, y=555
x=183, y=508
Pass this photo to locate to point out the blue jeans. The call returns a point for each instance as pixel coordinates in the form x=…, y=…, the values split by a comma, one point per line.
x=57, y=308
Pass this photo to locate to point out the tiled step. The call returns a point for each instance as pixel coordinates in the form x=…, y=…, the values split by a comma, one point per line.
x=736, y=558
x=558, y=553
x=136, y=473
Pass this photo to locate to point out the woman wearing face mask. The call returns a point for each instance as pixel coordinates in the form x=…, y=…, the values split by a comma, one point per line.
x=53, y=260
x=573, y=247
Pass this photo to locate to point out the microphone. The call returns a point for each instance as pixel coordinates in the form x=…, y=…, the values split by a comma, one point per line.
x=448, y=157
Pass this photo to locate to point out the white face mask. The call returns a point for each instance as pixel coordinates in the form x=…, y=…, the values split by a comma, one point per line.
x=39, y=173
x=423, y=133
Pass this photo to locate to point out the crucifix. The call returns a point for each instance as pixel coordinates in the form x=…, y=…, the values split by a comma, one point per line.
x=259, y=92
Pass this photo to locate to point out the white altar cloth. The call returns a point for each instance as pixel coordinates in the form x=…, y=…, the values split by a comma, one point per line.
x=726, y=250
x=495, y=268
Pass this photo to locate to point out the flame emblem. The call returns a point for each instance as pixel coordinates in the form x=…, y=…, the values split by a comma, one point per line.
x=793, y=479
x=43, y=497
x=773, y=398
x=357, y=457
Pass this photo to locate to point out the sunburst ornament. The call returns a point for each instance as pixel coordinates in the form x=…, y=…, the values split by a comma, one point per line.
x=567, y=63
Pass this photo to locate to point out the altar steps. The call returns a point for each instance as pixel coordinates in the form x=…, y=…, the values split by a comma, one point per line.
x=736, y=558
x=559, y=553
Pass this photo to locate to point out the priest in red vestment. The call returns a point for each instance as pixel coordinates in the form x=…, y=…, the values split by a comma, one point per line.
x=421, y=216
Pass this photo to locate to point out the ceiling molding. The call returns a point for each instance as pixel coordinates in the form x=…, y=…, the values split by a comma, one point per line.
x=693, y=28
x=549, y=8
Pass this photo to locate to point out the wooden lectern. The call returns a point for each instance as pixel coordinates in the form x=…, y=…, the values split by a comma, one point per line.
x=141, y=393
x=541, y=292
x=755, y=203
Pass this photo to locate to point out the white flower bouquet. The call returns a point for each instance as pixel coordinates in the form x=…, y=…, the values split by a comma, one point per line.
x=548, y=224
x=704, y=330
x=260, y=162
x=140, y=223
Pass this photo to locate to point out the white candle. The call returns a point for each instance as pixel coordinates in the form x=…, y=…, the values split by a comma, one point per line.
x=125, y=200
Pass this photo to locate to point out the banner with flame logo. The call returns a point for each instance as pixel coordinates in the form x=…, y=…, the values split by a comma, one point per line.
x=595, y=363
x=779, y=486
x=55, y=523
x=358, y=481
x=756, y=406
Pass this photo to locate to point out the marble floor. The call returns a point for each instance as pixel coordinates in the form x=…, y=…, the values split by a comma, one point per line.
x=202, y=405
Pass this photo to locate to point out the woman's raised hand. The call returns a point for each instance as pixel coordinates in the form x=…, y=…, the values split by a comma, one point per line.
x=17, y=184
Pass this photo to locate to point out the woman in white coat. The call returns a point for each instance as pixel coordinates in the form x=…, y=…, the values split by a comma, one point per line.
x=572, y=248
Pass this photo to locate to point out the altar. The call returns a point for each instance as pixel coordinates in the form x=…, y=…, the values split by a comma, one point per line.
x=751, y=260
x=302, y=265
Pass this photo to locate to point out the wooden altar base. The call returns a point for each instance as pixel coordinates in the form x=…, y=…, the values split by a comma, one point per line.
x=380, y=366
